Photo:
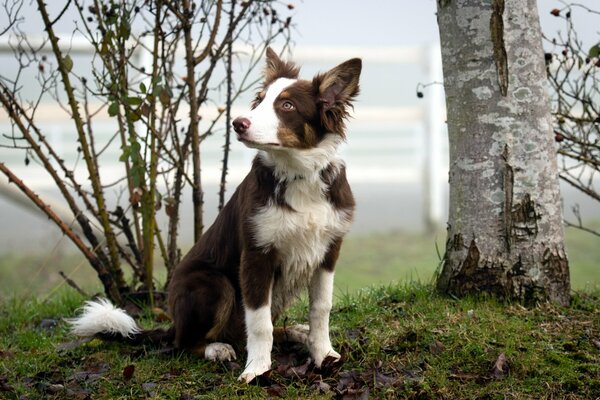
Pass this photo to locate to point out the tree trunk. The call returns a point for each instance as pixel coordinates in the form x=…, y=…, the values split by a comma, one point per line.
x=505, y=229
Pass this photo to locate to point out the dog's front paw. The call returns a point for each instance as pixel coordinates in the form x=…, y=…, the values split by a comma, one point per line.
x=318, y=358
x=253, y=370
x=219, y=352
x=250, y=373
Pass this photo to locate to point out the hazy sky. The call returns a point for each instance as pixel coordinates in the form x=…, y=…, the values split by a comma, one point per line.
x=373, y=23
x=404, y=22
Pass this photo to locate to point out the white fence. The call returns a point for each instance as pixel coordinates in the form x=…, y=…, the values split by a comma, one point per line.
x=394, y=138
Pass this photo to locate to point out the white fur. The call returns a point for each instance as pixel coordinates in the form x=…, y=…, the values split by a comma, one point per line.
x=219, y=352
x=302, y=237
x=320, y=298
x=101, y=316
x=259, y=331
x=291, y=163
x=263, y=119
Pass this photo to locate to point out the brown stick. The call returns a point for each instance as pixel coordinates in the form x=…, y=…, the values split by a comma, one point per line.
x=111, y=241
x=197, y=194
x=72, y=283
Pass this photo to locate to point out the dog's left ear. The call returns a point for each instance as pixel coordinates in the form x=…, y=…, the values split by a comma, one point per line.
x=337, y=88
x=339, y=85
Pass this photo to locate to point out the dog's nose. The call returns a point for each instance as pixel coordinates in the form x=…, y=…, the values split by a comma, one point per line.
x=241, y=125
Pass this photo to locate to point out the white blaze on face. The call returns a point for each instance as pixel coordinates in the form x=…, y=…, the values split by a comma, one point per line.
x=263, y=119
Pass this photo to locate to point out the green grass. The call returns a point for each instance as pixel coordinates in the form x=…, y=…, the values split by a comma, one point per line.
x=398, y=341
x=382, y=258
x=373, y=259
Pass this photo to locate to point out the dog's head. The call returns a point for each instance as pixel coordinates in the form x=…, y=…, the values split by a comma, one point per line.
x=291, y=113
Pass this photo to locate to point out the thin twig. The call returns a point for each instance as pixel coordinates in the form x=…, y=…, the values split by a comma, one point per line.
x=74, y=285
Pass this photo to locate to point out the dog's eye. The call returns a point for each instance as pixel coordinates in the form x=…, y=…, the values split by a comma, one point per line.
x=287, y=105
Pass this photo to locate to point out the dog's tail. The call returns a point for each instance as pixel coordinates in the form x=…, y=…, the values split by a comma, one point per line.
x=102, y=319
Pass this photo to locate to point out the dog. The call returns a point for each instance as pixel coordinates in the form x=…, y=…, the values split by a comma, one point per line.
x=280, y=233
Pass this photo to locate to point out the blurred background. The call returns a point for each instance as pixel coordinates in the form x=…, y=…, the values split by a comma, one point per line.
x=396, y=152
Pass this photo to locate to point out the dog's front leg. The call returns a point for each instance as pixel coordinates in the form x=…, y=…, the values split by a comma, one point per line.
x=256, y=275
x=320, y=298
x=259, y=331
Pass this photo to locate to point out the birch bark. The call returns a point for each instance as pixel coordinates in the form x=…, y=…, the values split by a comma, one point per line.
x=505, y=229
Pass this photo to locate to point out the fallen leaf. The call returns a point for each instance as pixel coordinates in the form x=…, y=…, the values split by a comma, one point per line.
x=85, y=376
x=285, y=358
x=4, y=386
x=6, y=354
x=263, y=380
x=322, y=387
x=72, y=344
x=128, y=372
x=149, y=388
x=48, y=323
x=383, y=380
x=501, y=367
x=569, y=346
x=233, y=366
x=330, y=365
x=173, y=372
x=412, y=375
x=299, y=371
x=276, y=390
x=436, y=348
x=93, y=372
x=463, y=376
x=349, y=381
x=55, y=388
x=356, y=394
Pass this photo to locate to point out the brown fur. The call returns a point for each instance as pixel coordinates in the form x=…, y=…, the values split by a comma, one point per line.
x=225, y=271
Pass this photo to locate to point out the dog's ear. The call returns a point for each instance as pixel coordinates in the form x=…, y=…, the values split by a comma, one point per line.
x=336, y=90
x=276, y=68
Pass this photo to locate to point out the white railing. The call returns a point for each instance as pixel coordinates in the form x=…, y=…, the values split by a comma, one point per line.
x=394, y=137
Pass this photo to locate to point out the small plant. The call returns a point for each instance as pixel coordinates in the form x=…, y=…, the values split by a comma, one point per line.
x=156, y=69
x=574, y=76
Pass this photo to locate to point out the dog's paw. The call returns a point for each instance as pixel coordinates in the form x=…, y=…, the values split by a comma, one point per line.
x=248, y=376
x=318, y=358
x=219, y=352
x=253, y=370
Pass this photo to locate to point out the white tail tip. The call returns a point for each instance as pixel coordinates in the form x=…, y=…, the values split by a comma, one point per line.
x=100, y=316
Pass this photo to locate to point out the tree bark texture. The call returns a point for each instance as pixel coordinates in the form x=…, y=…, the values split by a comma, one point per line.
x=505, y=229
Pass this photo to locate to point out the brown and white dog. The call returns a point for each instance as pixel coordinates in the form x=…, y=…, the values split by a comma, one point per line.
x=280, y=232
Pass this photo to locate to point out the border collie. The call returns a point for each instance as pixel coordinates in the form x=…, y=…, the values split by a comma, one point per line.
x=280, y=232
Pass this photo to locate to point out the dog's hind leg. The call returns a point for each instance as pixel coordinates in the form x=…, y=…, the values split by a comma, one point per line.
x=202, y=306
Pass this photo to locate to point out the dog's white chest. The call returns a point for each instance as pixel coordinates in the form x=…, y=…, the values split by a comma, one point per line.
x=301, y=236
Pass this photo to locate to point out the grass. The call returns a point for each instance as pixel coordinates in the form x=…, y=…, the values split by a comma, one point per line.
x=398, y=342
x=399, y=339
x=382, y=258
x=373, y=259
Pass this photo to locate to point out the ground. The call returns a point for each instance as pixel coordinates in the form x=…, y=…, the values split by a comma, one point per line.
x=397, y=342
